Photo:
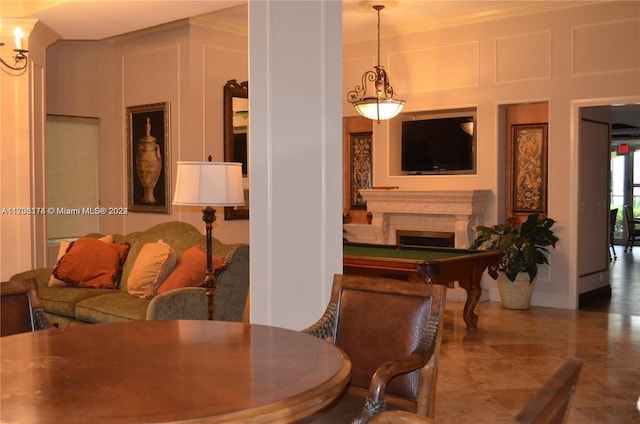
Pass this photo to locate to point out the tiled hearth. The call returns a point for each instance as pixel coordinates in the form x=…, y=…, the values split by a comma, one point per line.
x=454, y=212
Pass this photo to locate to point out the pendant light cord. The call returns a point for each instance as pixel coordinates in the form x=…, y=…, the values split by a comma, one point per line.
x=378, y=7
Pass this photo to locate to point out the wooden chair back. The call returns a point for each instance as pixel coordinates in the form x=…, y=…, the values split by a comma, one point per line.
x=18, y=301
x=628, y=216
x=632, y=230
x=551, y=404
x=376, y=320
x=613, y=215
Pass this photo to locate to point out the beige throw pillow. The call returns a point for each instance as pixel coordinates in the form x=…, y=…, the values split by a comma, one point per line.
x=154, y=262
x=64, y=246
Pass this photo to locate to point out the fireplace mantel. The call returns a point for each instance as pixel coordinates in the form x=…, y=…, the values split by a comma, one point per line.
x=447, y=211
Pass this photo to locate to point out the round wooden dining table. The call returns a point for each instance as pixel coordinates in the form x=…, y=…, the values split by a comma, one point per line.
x=167, y=371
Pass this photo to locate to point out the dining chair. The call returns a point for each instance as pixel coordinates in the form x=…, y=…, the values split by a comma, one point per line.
x=613, y=215
x=391, y=331
x=550, y=405
x=633, y=230
x=20, y=309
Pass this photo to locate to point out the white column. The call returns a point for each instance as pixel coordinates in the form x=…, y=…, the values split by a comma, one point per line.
x=295, y=74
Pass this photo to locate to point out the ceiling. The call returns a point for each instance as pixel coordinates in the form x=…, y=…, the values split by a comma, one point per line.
x=100, y=19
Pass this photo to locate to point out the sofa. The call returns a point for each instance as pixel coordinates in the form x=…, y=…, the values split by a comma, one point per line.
x=68, y=304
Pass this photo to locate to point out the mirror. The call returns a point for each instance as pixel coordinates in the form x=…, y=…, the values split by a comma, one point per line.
x=236, y=128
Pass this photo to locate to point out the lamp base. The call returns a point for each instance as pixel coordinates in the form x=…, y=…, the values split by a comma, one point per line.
x=211, y=284
x=210, y=281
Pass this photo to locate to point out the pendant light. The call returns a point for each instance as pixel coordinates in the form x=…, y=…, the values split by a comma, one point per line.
x=383, y=104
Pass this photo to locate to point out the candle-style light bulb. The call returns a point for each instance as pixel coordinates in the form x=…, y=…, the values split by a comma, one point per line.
x=18, y=34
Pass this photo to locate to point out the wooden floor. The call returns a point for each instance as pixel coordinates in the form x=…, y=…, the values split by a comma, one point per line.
x=486, y=376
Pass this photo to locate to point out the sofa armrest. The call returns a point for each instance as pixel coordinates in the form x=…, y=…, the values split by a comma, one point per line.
x=41, y=275
x=233, y=286
x=183, y=303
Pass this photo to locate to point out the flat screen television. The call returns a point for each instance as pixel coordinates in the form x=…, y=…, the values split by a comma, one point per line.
x=437, y=146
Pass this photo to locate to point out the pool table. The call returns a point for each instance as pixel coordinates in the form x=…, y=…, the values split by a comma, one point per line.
x=437, y=265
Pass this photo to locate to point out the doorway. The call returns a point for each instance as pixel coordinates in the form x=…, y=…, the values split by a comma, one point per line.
x=622, y=122
x=625, y=179
x=623, y=157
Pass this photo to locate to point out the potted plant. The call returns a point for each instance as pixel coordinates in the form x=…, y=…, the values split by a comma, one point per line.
x=523, y=247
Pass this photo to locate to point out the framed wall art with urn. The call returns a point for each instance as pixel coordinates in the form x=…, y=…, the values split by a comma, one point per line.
x=149, y=165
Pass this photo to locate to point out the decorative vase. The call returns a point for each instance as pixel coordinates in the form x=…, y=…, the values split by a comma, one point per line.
x=515, y=294
x=148, y=164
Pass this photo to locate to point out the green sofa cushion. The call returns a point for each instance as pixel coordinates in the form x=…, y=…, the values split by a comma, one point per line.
x=113, y=307
x=62, y=300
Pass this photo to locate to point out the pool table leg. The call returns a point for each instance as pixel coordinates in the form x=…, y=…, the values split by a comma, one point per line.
x=431, y=274
x=474, y=291
x=473, y=297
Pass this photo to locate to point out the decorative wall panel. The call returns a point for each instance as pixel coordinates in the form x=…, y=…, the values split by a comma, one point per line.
x=437, y=68
x=606, y=47
x=523, y=57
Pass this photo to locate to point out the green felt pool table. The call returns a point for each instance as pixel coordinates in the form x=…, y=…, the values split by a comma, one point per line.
x=437, y=265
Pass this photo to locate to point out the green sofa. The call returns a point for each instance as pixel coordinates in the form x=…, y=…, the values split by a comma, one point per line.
x=67, y=306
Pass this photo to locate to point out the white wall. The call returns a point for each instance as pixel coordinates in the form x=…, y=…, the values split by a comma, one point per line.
x=185, y=64
x=589, y=52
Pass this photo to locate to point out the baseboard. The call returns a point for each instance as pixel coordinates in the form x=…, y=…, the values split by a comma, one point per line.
x=599, y=294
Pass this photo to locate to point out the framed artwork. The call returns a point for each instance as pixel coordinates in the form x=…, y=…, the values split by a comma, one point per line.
x=361, y=164
x=149, y=165
x=529, y=168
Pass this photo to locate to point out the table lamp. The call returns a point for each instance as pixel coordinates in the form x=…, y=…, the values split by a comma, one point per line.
x=209, y=184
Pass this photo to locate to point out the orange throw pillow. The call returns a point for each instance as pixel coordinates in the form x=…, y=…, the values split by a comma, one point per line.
x=191, y=270
x=92, y=263
x=64, y=246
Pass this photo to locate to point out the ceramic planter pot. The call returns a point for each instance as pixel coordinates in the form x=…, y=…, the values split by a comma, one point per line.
x=515, y=294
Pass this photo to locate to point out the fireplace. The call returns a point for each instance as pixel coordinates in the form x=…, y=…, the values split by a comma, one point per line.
x=454, y=212
x=425, y=238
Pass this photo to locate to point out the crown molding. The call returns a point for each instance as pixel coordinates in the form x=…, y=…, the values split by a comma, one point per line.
x=498, y=13
x=222, y=24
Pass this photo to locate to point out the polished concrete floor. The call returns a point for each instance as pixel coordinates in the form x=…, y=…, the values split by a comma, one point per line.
x=486, y=376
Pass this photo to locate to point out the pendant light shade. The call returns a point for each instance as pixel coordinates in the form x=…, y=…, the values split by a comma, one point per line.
x=383, y=104
x=378, y=110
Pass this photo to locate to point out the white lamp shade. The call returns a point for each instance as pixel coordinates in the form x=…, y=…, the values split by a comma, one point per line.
x=379, y=110
x=209, y=184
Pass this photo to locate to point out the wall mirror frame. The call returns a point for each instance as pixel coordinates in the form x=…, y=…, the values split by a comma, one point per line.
x=235, y=122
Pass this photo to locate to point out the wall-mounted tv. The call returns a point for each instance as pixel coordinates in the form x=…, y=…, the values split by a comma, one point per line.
x=438, y=146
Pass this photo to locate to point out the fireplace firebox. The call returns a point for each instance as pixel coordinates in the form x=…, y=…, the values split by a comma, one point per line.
x=425, y=238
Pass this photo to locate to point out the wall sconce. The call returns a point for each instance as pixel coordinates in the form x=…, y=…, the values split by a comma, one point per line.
x=468, y=127
x=21, y=60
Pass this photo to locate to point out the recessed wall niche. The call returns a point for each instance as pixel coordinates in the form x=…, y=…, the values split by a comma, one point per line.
x=440, y=142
